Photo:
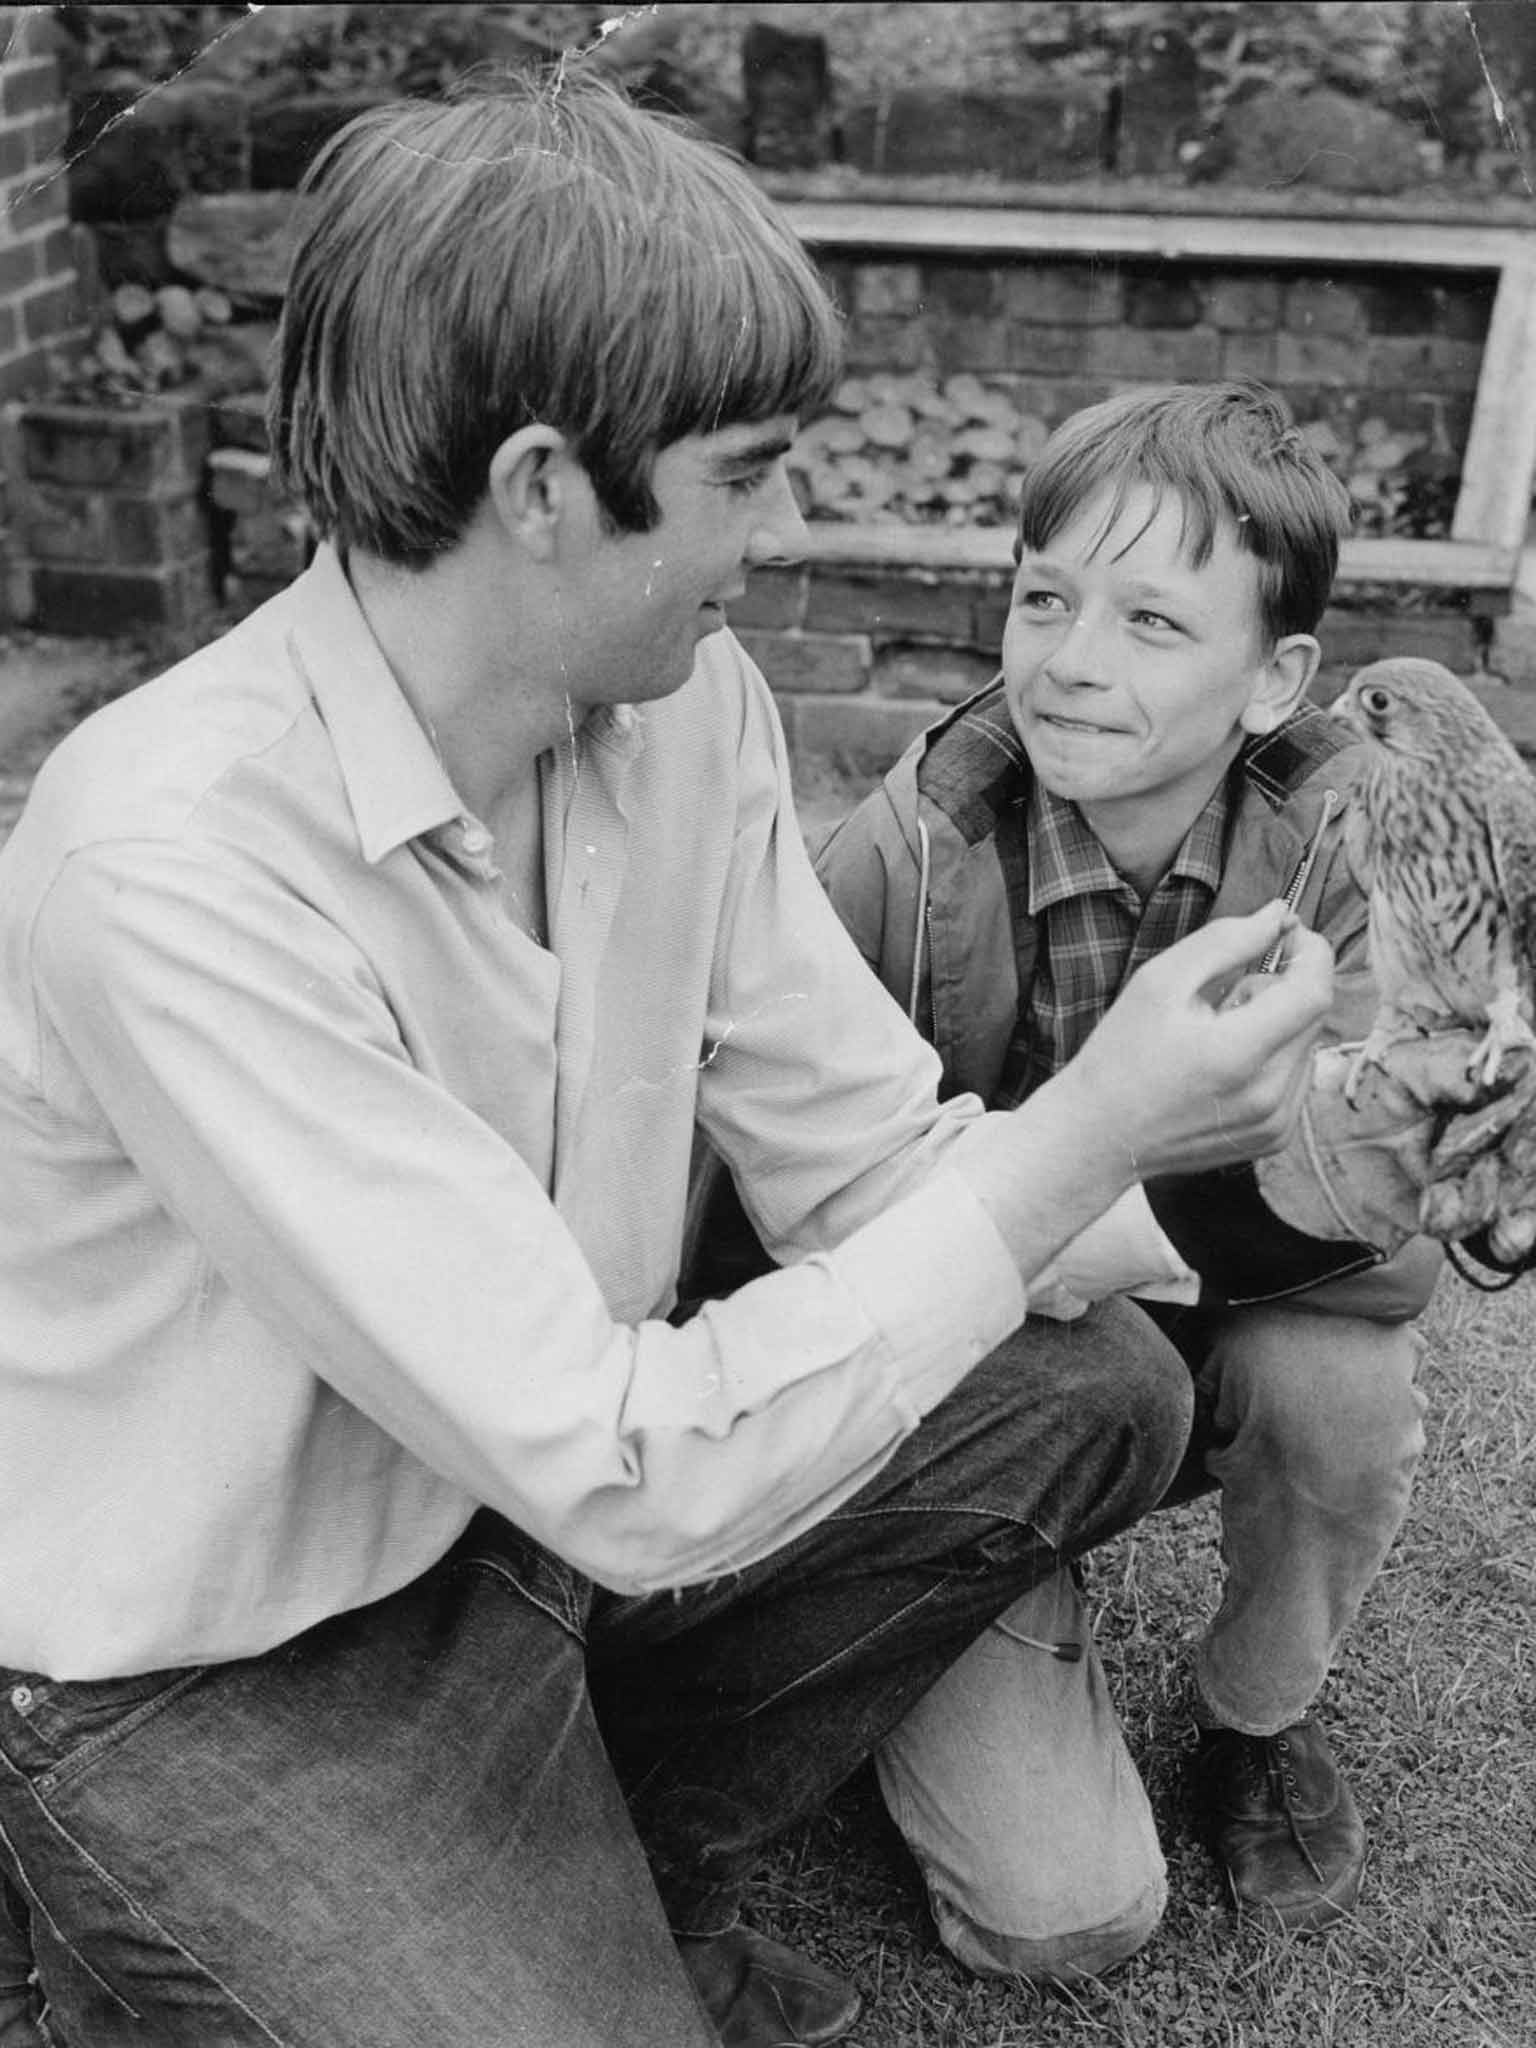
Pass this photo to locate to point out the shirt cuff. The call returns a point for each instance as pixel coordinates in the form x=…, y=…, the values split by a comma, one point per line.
x=937, y=1281
x=1126, y=1251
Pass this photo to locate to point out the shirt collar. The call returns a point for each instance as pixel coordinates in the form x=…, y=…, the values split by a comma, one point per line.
x=1066, y=858
x=395, y=784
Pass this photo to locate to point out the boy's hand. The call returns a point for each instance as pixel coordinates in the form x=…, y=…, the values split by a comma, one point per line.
x=1196, y=1066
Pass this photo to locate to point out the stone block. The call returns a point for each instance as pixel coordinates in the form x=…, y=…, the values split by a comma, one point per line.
x=1427, y=363
x=857, y=735
x=40, y=204
x=50, y=310
x=1064, y=294
x=888, y=605
x=787, y=85
x=958, y=287
x=1351, y=637
x=239, y=421
x=156, y=449
x=1318, y=359
x=20, y=264
x=131, y=252
x=29, y=85
x=1058, y=131
x=1153, y=355
x=151, y=533
x=15, y=152
x=810, y=664
x=44, y=136
x=774, y=600
x=1513, y=710
x=1153, y=299
x=1242, y=304
x=1399, y=304
x=1463, y=309
x=239, y=242
x=887, y=342
x=276, y=542
x=238, y=481
x=1250, y=355
x=947, y=675
x=1321, y=306
x=107, y=601
x=1280, y=137
x=882, y=288
x=963, y=342
x=1512, y=649
x=1040, y=351
x=58, y=525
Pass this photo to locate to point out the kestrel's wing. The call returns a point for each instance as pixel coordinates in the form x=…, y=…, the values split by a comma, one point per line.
x=1510, y=809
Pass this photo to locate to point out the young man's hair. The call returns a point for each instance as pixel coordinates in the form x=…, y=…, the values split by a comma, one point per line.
x=1228, y=454
x=534, y=252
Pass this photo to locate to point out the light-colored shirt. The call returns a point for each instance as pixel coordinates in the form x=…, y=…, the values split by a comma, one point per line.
x=334, y=1206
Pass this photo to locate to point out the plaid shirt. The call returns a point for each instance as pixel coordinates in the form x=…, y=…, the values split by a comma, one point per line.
x=1094, y=930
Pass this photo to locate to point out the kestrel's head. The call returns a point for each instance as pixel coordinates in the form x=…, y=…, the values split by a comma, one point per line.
x=1410, y=708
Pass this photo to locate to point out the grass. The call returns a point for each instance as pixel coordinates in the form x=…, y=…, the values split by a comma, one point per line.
x=1433, y=1713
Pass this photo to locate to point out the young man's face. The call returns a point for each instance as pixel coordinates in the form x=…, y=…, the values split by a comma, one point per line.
x=1131, y=676
x=648, y=599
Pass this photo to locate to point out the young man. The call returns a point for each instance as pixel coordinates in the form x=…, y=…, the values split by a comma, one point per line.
x=1147, y=762
x=410, y=1635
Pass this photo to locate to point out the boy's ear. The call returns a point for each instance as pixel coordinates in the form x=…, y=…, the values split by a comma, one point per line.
x=1282, y=682
x=528, y=485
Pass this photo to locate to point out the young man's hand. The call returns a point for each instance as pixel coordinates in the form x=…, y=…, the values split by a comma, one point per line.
x=1200, y=1064
x=1176, y=1078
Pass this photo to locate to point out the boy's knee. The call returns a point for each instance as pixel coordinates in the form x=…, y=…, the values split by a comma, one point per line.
x=1335, y=1394
x=1013, y=1788
x=1045, y=1951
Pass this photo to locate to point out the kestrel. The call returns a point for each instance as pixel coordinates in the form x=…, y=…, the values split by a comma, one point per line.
x=1443, y=834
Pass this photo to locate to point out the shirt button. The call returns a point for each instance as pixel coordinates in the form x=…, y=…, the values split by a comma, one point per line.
x=22, y=1698
x=475, y=838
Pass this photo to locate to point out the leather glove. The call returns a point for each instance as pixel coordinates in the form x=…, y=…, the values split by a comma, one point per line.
x=1425, y=1148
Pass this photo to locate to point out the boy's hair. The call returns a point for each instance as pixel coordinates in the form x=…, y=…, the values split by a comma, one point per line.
x=1227, y=452
x=536, y=252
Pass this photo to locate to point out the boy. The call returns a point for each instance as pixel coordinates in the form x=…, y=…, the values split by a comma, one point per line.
x=409, y=1634
x=1145, y=762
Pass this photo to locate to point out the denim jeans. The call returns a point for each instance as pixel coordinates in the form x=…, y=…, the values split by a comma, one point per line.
x=1011, y=1780
x=474, y=1813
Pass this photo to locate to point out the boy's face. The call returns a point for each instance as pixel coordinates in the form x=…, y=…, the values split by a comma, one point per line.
x=1131, y=675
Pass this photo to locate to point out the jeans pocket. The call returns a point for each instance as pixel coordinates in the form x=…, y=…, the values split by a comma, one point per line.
x=52, y=1729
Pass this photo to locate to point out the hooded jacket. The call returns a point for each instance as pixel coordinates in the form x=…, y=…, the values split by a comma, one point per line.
x=929, y=874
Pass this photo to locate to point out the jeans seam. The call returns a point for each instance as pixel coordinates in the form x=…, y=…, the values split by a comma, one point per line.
x=84, y=1754
x=568, y=1622
x=121, y=1892
x=981, y=1514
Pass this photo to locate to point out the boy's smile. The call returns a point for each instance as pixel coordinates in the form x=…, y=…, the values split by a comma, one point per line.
x=1132, y=675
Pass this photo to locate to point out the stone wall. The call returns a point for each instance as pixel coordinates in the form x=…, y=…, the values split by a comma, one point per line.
x=38, y=303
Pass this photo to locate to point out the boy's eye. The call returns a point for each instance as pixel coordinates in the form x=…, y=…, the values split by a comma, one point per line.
x=1043, y=601
x=749, y=481
x=1160, y=620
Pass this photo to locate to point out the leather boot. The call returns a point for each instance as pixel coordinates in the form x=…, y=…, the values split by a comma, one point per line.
x=760, y=1994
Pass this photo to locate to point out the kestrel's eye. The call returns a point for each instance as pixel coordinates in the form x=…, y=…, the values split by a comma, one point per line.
x=1376, y=701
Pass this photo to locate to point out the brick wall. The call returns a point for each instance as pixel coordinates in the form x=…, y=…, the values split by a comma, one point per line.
x=38, y=308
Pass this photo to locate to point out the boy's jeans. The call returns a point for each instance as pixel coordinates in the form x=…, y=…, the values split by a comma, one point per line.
x=438, y=1819
x=1011, y=1780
